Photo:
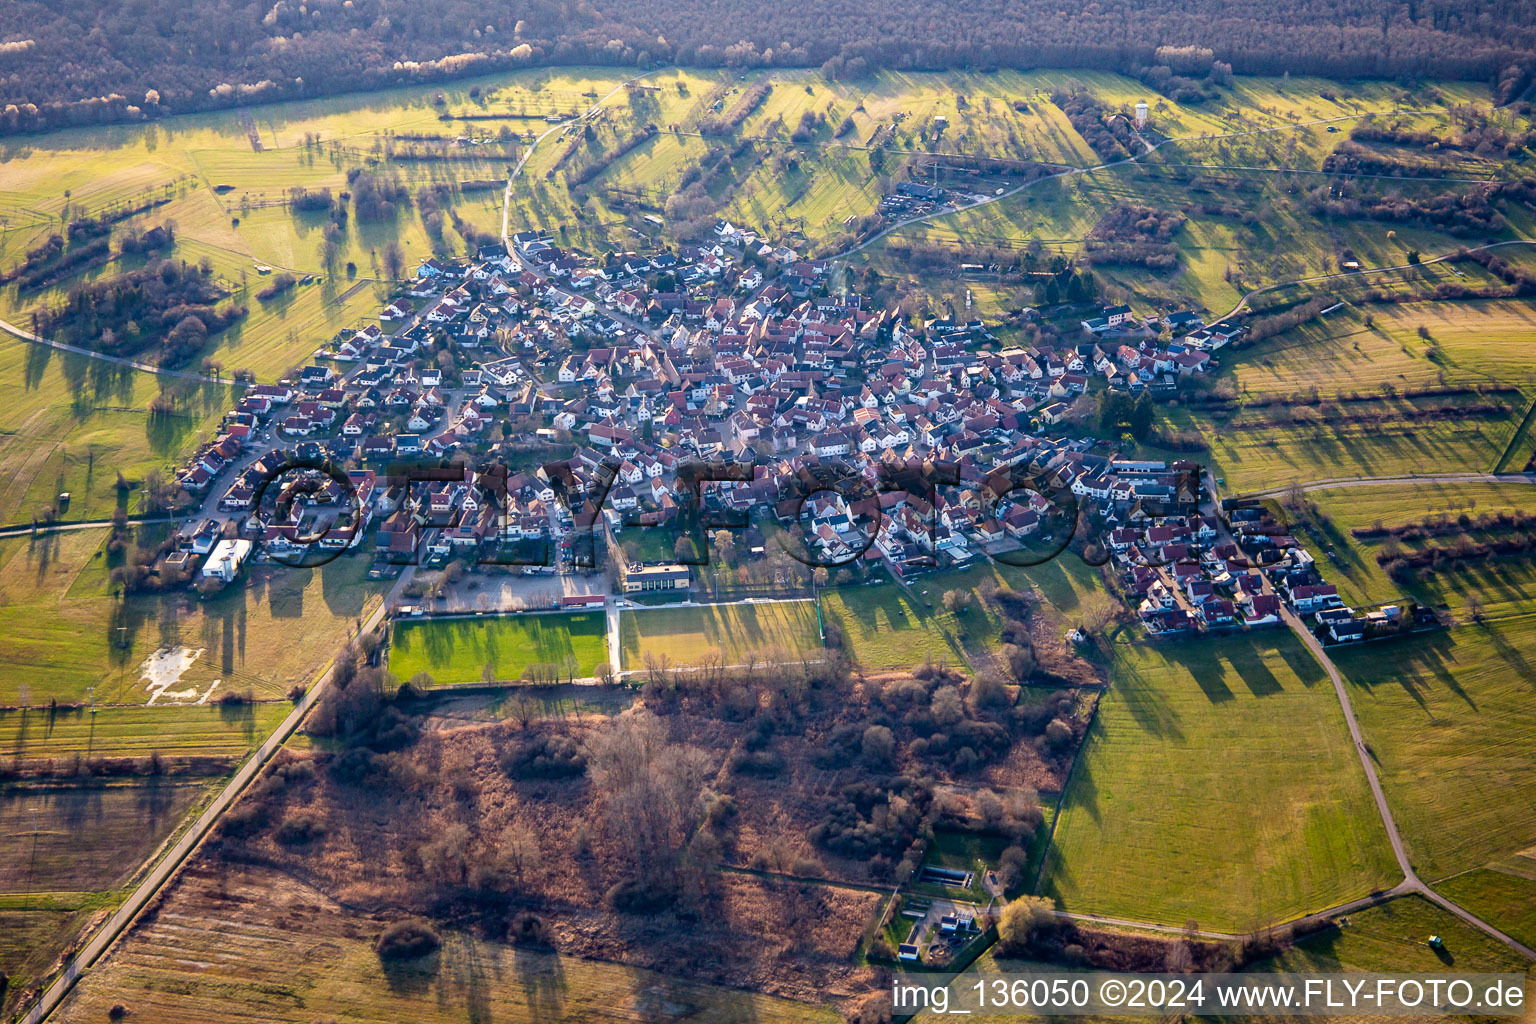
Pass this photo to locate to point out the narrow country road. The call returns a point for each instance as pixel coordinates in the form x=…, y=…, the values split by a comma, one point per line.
x=131, y=364
x=1338, y=483
x=615, y=651
x=1411, y=881
x=87, y=524
x=162, y=872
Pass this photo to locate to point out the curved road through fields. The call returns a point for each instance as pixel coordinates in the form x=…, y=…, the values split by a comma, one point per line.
x=1411, y=882
x=132, y=364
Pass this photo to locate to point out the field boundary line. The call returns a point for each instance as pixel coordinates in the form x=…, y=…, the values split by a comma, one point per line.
x=1525, y=420
x=161, y=874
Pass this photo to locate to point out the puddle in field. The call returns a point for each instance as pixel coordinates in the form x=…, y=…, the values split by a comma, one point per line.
x=163, y=669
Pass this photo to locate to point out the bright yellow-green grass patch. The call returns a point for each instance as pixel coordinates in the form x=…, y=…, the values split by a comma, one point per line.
x=654, y=169
x=813, y=199
x=987, y=123
x=889, y=627
x=1252, y=452
x=285, y=332
x=1451, y=721
x=1222, y=256
x=1476, y=342
x=737, y=632
x=1218, y=783
x=458, y=650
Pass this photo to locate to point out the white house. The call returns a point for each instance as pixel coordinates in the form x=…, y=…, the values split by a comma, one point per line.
x=226, y=559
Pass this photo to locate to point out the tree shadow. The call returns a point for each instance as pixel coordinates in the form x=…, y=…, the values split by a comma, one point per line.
x=412, y=977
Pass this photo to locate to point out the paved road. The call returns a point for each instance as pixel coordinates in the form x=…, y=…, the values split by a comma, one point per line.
x=1411, y=881
x=162, y=872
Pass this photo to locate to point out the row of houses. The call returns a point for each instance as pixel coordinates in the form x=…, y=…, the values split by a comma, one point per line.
x=1295, y=578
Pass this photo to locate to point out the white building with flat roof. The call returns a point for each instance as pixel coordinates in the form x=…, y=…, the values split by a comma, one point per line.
x=226, y=558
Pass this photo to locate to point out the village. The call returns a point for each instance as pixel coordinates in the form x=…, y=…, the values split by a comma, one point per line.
x=570, y=394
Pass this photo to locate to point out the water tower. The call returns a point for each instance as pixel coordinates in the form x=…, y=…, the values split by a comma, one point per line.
x=1141, y=114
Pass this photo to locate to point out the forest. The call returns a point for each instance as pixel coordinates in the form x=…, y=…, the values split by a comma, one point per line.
x=63, y=64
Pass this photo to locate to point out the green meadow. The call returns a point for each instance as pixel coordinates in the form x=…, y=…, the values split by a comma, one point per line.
x=1450, y=721
x=1217, y=784
x=71, y=424
x=459, y=650
x=67, y=633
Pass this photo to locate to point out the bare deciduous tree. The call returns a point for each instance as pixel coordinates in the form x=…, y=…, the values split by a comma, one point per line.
x=652, y=791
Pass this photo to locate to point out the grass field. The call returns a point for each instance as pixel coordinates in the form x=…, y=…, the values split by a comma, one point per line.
x=458, y=650
x=66, y=632
x=1408, y=346
x=1505, y=897
x=1251, y=452
x=1471, y=342
x=1392, y=937
x=1389, y=938
x=70, y=423
x=961, y=851
x=1217, y=784
x=68, y=849
x=1450, y=720
x=736, y=631
x=1506, y=586
x=210, y=730
x=292, y=326
x=89, y=836
x=1220, y=256
x=34, y=930
x=887, y=627
x=228, y=197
